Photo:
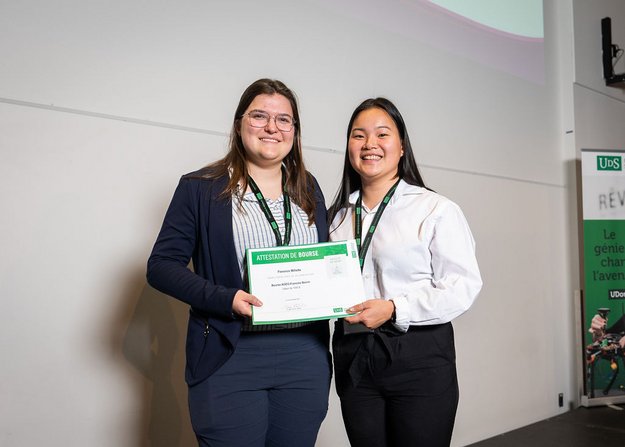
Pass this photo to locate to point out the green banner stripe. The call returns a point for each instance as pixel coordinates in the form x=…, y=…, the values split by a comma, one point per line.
x=299, y=254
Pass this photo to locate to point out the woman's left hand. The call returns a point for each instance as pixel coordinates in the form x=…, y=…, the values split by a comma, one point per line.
x=371, y=313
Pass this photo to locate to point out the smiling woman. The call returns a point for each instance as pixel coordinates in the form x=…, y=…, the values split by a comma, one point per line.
x=247, y=384
x=267, y=136
x=375, y=149
x=395, y=359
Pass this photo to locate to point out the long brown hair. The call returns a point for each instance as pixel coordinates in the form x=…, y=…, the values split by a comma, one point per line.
x=299, y=183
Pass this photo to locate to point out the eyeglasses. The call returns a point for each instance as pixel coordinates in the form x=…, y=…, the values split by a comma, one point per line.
x=260, y=118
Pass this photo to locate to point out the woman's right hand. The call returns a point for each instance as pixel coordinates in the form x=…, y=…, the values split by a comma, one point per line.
x=372, y=313
x=243, y=302
x=597, y=326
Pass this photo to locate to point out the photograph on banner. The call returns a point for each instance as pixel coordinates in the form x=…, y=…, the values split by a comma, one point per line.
x=603, y=197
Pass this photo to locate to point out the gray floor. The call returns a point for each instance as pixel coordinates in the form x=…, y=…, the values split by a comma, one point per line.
x=582, y=427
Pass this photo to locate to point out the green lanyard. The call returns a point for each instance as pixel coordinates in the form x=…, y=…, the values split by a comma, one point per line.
x=362, y=250
x=267, y=212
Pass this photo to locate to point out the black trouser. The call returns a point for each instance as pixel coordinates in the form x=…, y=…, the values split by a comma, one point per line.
x=397, y=390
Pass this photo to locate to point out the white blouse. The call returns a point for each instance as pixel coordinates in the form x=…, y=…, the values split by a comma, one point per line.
x=422, y=256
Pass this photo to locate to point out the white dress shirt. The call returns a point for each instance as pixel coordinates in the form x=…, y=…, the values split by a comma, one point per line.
x=422, y=256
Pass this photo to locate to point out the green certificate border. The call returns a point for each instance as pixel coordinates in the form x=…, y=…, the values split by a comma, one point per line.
x=295, y=253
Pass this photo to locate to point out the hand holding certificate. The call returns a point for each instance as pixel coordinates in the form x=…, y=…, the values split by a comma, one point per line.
x=304, y=282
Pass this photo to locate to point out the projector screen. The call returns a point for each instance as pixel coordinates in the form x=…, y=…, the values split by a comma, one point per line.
x=506, y=35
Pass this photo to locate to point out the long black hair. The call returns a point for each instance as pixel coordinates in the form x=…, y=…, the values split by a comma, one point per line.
x=407, y=169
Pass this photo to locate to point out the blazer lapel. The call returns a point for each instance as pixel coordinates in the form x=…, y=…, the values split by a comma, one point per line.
x=221, y=239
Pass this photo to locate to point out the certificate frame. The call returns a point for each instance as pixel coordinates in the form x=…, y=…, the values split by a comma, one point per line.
x=299, y=283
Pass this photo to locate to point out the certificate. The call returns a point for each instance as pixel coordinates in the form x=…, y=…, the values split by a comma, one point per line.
x=304, y=282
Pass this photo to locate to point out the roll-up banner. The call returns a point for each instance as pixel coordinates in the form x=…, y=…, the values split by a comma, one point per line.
x=603, y=198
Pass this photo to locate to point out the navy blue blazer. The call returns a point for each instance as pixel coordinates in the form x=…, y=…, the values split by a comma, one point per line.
x=198, y=227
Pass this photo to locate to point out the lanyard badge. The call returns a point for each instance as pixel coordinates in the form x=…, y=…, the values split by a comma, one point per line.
x=267, y=212
x=362, y=249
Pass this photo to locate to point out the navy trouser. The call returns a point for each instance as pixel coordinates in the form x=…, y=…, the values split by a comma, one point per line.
x=397, y=390
x=273, y=391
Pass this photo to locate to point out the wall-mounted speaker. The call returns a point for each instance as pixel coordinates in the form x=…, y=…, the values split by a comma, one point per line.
x=610, y=52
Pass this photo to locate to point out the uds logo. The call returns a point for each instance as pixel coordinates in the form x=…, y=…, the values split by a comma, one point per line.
x=609, y=163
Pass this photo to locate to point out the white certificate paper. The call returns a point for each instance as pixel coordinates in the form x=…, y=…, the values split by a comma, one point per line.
x=304, y=282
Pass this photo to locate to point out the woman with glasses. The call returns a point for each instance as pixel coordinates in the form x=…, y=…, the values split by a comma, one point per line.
x=395, y=359
x=248, y=385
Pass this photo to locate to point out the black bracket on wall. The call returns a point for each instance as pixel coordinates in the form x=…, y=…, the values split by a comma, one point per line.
x=610, y=52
